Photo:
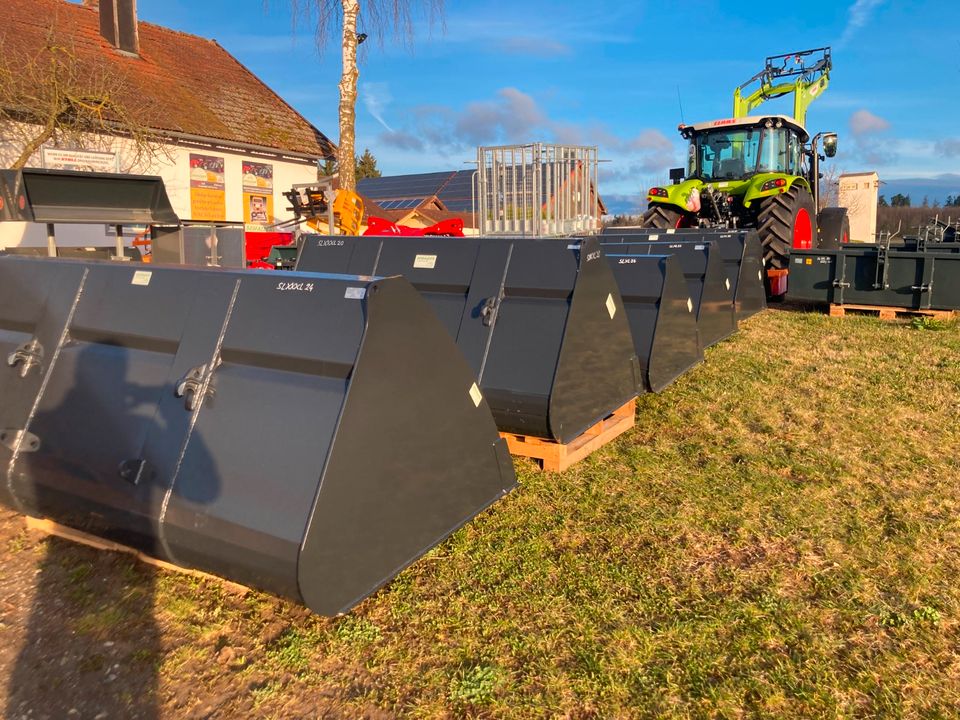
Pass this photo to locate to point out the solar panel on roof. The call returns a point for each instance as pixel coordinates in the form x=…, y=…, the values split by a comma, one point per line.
x=403, y=186
x=459, y=204
x=401, y=203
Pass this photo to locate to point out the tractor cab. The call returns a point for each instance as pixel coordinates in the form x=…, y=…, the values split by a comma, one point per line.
x=734, y=150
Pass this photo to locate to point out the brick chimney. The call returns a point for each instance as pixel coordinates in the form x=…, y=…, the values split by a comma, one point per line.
x=118, y=23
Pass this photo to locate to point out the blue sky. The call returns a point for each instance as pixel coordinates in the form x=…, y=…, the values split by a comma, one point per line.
x=609, y=73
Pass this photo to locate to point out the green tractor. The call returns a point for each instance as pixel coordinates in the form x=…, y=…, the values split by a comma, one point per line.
x=759, y=171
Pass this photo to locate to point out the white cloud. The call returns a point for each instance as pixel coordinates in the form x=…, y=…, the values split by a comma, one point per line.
x=376, y=98
x=950, y=147
x=864, y=122
x=534, y=46
x=858, y=15
x=513, y=116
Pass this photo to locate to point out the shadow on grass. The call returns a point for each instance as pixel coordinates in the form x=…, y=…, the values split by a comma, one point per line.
x=92, y=647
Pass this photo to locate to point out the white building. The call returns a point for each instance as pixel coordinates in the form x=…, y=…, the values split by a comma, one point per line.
x=228, y=146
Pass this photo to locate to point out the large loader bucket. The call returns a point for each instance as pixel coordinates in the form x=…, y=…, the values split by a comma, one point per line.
x=709, y=286
x=661, y=315
x=77, y=253
x=539, y=321
x=863, y=274
x=65, y=196
x=308, y=435
x=740, y=251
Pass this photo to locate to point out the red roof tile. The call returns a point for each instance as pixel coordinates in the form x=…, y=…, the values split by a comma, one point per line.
x=180, y=83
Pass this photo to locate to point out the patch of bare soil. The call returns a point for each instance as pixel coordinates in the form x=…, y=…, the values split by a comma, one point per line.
x=80, y=638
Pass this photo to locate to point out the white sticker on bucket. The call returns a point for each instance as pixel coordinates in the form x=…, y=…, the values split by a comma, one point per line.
x=727, y=283
x=671, y=231
x=699, y=247
x=611, y=305
x=425, y=262
x=690, y=305
x=475, y=395
x=653, y=238
x=142, y=277
x=759, y=274
x=355, y=293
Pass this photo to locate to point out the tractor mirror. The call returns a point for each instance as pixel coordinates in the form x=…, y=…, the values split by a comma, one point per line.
x=830, y=144
x=676, y=175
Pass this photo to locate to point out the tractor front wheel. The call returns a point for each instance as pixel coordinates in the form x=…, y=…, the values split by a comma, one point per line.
x=662, y=218
x=786, y=221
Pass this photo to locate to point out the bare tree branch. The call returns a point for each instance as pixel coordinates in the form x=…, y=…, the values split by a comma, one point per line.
x=55, y=96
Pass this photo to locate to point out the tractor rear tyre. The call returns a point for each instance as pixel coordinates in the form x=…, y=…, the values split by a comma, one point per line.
x=786, y=221
x=661, y=217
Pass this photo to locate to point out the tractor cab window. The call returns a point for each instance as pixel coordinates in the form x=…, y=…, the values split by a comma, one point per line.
x=781, y=152
x=725, y=154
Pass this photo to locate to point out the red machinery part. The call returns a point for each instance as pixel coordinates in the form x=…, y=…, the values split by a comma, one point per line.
x=446, y=228
x=258, y=246
x=778, y=282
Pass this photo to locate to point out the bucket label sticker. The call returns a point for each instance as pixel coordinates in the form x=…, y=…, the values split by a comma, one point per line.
x=475, y=395
x=654, y=238
x=699, y=247
x=809, y=261
x=727, y=283
x=355, y=293
x=142, y=277
x=425, y=262
x=294, y=287
x=690, y=305
x=798, y=261
x=671, y=231
x=611, y=305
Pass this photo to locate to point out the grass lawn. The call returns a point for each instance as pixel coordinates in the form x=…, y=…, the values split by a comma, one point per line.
x=778, y=537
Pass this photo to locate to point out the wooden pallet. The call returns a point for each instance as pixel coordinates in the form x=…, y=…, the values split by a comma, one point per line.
x=557, y=457
x=48, y=527
x=886, y=312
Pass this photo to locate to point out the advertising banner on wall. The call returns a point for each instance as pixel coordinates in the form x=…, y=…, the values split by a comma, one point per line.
x=257, y=196
x=208, y=188
x=82, y=160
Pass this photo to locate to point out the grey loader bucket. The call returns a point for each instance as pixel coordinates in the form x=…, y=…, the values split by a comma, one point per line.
x=540, y=321
x=64, y=196
x=307, y=435
x=709, y=286
x=661, y=316
x=740, y=251
x=875, y=275
x=77, y=253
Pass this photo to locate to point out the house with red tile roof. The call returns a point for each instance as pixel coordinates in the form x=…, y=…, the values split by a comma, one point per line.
x=229, y=145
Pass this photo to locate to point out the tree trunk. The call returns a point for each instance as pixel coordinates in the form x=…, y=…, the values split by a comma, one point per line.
x=348, y=96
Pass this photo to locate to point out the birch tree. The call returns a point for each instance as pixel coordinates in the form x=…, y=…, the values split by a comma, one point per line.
x=356, y=19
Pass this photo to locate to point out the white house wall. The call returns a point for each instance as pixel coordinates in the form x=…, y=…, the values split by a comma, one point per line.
x=172, y=163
